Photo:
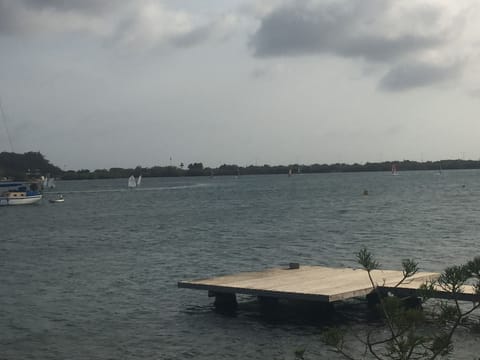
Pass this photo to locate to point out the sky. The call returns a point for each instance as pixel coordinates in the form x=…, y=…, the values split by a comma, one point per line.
x=115, y=83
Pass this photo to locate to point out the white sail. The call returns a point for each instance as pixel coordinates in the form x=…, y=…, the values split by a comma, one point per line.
x=139, y=180
x=394, y=169
x=131, y=182
x=51, y=183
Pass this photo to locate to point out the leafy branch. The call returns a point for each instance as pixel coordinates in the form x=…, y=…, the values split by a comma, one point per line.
x=406, y=336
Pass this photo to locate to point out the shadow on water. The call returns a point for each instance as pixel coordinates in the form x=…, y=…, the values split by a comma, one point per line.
x=293, y=312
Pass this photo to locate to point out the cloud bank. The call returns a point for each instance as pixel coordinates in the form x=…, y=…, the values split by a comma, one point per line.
x=412, y=43
x=143, y=23
x=412, y=40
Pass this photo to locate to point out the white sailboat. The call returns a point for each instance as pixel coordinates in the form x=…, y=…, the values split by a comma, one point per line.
x=51, y=183
x=132, y=182
x=394, y=169
x=139, y=180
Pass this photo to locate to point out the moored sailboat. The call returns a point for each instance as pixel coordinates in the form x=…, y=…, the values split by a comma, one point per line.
x=20, y=198
x=19, y=193
x=394, y=169
x=132, y=182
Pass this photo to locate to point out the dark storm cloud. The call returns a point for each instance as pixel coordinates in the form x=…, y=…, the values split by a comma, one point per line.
x=348, y=28
x=413, y=75
x=295, y=30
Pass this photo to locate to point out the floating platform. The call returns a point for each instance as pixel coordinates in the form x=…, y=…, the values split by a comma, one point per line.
x=317, y=283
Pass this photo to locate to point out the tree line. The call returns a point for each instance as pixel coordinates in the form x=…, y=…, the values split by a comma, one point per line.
x=34, y=164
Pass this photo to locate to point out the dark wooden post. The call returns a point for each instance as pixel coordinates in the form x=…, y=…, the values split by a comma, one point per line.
x=224, y=302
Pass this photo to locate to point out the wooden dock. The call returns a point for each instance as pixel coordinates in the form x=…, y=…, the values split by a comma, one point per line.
x=315, y=283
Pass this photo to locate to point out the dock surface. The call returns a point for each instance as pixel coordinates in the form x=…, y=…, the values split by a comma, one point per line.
x=315, y=283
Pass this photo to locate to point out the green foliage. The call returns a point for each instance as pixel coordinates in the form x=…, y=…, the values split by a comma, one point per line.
x=17, y=165
x=454, y=277
x=365, y=258
x=300, y=354
x=334, y=337
x=410, y=267
x=442, y=344
x=411, y=332
x=25, y=166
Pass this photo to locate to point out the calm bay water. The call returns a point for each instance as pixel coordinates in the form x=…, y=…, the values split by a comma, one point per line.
x=95, y=277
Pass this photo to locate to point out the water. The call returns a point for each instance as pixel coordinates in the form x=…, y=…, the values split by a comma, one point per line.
x=95, y=277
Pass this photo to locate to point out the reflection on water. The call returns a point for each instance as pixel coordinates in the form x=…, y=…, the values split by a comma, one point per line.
x=95, y=277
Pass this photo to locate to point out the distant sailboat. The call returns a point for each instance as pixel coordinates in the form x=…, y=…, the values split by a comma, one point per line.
x=289, y=172
x=139, y=180
x=132, y=182
x=439, y=169
x=51, y=183
x=394, y=169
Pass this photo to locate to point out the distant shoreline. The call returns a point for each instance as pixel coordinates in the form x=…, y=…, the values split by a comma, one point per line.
x=34, y=164
x=197, y=169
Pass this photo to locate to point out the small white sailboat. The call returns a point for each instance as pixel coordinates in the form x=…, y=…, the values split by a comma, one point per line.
x=289, y=172
x=439, y=172
x=51, y=183
x=394, y=169
x=139, y=180
x=132, y=182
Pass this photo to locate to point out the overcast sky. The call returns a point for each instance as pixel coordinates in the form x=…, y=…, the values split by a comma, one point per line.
x=99, y=84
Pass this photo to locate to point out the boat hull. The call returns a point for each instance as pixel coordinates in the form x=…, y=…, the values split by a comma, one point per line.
x=56, y=201
x=27, y=200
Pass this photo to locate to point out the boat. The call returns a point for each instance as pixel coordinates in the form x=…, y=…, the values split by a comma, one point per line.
x=289, y=172
x=14, y=197
x=9, y=185
x=59, y=199
x=394, y=169
x=139, y=180
x=51, y=183
x=132, y=182
x=19, y=192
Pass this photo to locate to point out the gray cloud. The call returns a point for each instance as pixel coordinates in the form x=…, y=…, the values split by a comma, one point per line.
x=37, y=16
x=86, y=6
x=349, y=28
x=143, y=24
x=373, y=30
x=416, y=74
x=192, y=37
x=378, y=48
x=8, y=23
x=295, y=30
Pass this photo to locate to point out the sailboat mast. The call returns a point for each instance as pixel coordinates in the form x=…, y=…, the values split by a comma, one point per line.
x=4, y=117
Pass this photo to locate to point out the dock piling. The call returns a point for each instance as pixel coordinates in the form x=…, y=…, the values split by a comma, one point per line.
x=224, y=302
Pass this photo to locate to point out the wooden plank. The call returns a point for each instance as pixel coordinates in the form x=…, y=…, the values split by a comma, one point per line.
x=468, y=292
